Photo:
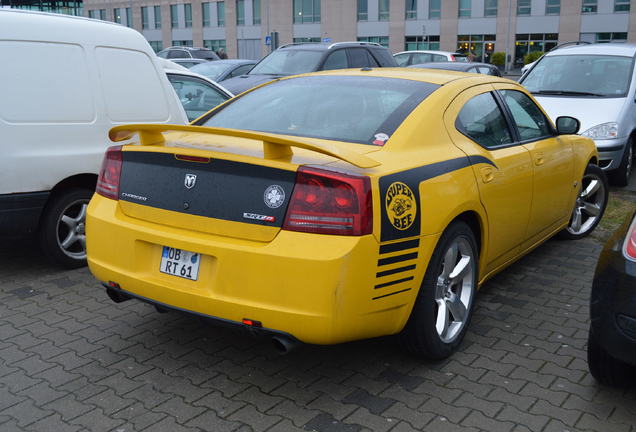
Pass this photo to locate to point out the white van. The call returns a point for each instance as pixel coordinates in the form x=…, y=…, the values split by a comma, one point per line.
x=64, y=82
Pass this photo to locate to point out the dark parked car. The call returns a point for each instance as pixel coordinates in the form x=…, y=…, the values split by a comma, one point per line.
x=182, y=52
x=611, y=347
x=301, y=58
x=482, y=68
x=224, y=69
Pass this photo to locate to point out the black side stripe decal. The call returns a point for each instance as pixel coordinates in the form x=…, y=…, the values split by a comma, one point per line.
x=395, y=270
x=398, y=258
x=386, y=284
x=393, y=293
x=394, y=247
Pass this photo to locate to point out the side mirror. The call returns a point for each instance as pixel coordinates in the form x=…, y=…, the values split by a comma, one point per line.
x=567, y=125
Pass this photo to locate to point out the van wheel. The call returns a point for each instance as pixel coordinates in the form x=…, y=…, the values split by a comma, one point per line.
x=589, y=206
x=62, y=231
x=606, y=369
x=444, y=304
x=621, y=175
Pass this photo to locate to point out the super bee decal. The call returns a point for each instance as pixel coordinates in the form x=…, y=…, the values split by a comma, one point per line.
x=401, y=207
x=401, y=195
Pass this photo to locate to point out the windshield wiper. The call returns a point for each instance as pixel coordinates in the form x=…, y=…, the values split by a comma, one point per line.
x=566, y=93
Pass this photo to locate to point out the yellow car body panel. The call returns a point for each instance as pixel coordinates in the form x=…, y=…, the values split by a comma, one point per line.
x=325, y=289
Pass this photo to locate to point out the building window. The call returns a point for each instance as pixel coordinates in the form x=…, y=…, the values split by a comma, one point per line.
x=464, y=8
x=129, y=17
x=589, y=6
x=156, y=45
x=434, y=9
x=205, y=13
x=382, y=40
x=477, y=47
x=306, y=11
x=256, y=12
x=383, y=14
x=411, y=9
x=215, y=44
x=102, y=14
x=92, y=14
x=524, y=7
x=240, y=12
x=363, y=10
x=157, y=17
x=174, y=16
x=117, y=15
x=306, y=40
x=621, y=6
x=144, y=18
x=187, y=12
x=553, y=7
x=220, y=14
x=186, y=43
x=610, y=37
x=421, y=43
x=536, y=42
x=490, y=8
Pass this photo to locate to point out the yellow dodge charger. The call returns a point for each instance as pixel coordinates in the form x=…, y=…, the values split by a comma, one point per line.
x=343, y=205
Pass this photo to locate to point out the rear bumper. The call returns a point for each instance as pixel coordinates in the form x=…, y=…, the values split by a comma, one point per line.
x=321, y=289
x=613, y=301
x=20, y=213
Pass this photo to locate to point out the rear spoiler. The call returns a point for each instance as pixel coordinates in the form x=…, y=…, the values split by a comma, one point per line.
x=274, y=146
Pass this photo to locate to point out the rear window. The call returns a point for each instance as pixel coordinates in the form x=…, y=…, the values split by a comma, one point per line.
x=289, y=62
x=205, y=54
x=363, y=110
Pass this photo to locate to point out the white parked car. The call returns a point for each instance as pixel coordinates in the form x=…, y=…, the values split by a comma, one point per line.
x=595, y=83
x=407, y=58
x=65, y=82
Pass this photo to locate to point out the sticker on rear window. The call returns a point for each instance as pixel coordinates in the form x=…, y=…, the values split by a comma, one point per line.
x=274, y=196
x=380, y=139
x=401, y=207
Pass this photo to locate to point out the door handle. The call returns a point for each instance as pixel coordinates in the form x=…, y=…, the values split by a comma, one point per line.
x=539, y=159
x=487, y=174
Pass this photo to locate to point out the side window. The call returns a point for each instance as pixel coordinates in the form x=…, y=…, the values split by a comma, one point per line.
x=482, y=121
x=529, y=119
x=402, y=59
x=358, y=58
x=372, y=61
x=177, y=54
x=196, y=96
x=336, y=60
x=483, y=70
x=439, y=58
x=241, y=70
x=419, y=58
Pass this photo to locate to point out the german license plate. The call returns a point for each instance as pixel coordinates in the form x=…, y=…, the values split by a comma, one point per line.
x=179, y=262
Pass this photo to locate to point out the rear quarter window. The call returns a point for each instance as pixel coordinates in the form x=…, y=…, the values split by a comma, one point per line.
x=132, y=89
x=45, y=83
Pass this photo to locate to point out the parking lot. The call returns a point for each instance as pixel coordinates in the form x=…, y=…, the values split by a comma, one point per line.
x=73, y=360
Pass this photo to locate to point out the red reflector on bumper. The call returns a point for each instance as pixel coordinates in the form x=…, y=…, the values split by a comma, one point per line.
x=252, y=323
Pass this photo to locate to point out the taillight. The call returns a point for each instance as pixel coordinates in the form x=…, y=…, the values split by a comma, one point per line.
x=108, y=181
x=630, y=242
x=328, y=202
x=452, y=58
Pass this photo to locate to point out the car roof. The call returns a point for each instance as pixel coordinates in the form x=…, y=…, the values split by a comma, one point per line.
x=621, y=49
x=460, y=66
x=233, y=61
x=433, y=76
x=324, y=46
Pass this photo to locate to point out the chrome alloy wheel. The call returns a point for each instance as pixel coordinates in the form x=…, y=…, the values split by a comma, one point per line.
x=71, y=229
x=454, y=289
x=589, y=204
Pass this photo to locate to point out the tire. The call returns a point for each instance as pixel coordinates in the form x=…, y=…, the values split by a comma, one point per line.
x=606, y=369
x=620, y=176
x=63, y=220
x=444, y=304
x=589, y=206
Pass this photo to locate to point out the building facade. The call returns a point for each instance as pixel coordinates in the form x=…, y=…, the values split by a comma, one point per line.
x=481, y=27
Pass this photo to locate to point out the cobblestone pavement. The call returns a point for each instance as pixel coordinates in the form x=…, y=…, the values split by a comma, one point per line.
x=70, y=359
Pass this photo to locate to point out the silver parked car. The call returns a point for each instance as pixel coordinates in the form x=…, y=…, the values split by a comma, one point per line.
x=595, y=84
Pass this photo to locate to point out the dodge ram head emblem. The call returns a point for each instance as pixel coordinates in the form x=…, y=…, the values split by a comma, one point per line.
x=190, y=180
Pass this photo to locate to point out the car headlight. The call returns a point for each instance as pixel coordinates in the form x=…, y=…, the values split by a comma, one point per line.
x=602, y=131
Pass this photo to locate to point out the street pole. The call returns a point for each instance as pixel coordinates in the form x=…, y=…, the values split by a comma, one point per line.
x=507, y=64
